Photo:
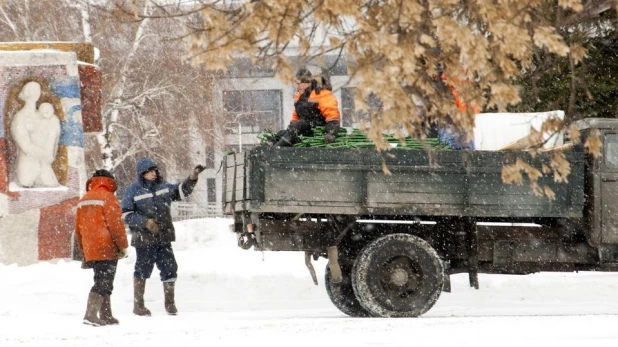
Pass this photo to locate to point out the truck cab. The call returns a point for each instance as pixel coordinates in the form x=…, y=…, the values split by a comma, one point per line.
x=602, y=187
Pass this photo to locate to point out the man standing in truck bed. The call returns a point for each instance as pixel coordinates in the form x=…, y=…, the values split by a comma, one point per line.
x=314, y=105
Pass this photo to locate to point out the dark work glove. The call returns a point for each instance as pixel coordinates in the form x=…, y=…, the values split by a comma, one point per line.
x=287, y=137
x=123, y=253
x=152, y=225
x=86, y=265
x=196, y=171
x=332, y=129
x=277, y=137
x=328, y=138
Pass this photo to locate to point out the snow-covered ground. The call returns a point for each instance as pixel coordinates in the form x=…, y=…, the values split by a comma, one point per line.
x=226, y=296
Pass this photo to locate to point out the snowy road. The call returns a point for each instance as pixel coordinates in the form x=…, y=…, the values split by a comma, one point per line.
x=228, y=296
x=308, y=327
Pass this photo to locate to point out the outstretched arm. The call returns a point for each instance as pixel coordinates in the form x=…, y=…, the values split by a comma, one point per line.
x=183, y=190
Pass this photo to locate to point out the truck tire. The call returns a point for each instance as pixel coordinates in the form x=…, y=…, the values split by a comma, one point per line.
x=342, y=294
x=397, y=275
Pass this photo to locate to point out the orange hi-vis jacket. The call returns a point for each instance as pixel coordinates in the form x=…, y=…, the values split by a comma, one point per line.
x=99, y=228
x=327, y=104
x=461, y=106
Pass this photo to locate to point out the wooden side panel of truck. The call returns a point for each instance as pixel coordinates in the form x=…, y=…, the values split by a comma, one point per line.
x=418, y=183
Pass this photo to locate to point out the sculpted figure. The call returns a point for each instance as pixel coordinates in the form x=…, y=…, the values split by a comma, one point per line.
x=36, y=138
x=45, y=136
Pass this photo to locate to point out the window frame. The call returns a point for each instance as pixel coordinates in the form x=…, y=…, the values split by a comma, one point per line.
x=606, y=147
x=244, y=105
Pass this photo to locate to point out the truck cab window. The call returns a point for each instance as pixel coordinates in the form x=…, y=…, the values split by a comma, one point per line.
x=611, y=151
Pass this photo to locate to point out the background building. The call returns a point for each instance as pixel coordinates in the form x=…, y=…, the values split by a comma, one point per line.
x=253, y=100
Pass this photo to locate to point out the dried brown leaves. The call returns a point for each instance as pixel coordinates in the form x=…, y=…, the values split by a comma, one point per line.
x=593, y=143
x=396, y=47
x=558, y=164
x=514, y=174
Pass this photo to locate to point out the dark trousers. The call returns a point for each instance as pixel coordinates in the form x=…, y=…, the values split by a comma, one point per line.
x=289, y=136
x=104, y=274
x=162, y=256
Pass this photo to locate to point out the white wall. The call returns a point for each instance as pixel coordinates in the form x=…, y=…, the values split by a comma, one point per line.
x=493, y=131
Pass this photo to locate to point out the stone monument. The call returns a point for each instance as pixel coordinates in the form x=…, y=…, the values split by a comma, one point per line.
x=42, y=167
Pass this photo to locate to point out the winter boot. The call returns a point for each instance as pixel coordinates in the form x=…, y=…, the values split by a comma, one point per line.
x=139, y=286
x=92, y=310
x=170, y=305
x=106, y=311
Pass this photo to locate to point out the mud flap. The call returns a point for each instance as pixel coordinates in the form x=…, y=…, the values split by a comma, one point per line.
x=333, y=264
x=314, y=277
x=446, y=286
x=473, y=252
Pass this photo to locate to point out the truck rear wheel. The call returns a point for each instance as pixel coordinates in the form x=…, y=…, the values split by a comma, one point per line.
x=342, y=294
x=397, y=275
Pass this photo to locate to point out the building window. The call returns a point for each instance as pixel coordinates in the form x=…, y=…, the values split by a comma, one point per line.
x=252, y=111
x=210, y=158
x=334, y=65
x=211, y=190
x=330, y=65
x=347, y=107
x=244, y=68
x=210, y=153
x=351, y=117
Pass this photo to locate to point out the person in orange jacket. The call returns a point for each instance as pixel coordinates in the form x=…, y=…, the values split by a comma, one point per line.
x=314, y=105
x=448, y=134
x=102, y=239
x=461, y=105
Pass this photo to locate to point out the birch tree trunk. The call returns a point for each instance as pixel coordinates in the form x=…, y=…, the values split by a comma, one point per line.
x=110, y=118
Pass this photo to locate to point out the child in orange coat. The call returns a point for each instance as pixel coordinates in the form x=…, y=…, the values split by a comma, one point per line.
x=102, y=239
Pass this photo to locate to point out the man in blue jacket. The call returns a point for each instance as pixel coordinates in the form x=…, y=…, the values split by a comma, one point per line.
x=146, y=210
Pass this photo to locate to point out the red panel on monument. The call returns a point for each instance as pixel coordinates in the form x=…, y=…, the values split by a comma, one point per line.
x=4, y=171
x=90, y=78
x=55, y=230
x=4, y=167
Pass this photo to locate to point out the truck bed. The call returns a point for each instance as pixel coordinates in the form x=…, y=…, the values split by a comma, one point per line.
x=420, y=183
